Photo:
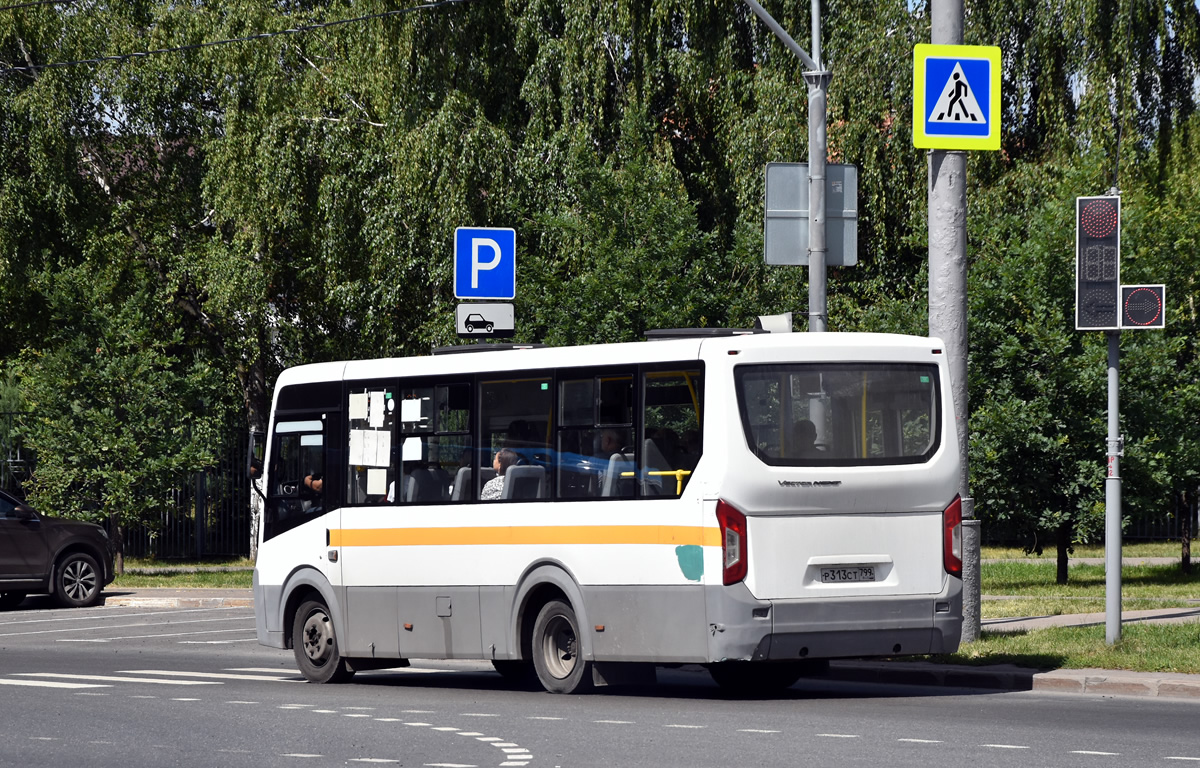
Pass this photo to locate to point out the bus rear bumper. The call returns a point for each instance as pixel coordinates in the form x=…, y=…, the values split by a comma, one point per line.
x=774, y=630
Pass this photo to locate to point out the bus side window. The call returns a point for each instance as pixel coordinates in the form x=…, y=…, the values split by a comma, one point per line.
x=517, y=413
x=370, y=471
x=671, y=444
x=595, y=446
x=296, y=475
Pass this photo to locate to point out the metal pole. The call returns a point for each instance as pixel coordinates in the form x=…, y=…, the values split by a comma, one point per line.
x=948, y=299
x=818, y=88
x=1112, y=498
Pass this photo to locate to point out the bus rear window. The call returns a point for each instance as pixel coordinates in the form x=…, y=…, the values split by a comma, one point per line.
x=824, y=414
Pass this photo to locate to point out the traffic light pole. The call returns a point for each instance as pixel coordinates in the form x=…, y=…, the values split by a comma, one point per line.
x=948, y=305
x=1112, y=498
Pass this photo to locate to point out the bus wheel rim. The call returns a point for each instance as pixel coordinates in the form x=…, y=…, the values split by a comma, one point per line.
x=560, y=647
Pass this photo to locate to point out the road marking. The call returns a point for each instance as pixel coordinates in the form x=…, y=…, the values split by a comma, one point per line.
x=685, y=726
x=545, y=718
x=1089, y=752
x=300, y=754
x=89, y=693
x=98, y=613
x=371, y=760
x=526, y=762
x=445, y=728
x=48, y=684
x=505, y=744
x=131, y=626
x=355, y=714
x=839, y=735
x=1003, y=746
x=208, y=642
x=387, y=719
x=43, y=738
x=418, y=725
x=478, y=714
x=514, y=751
x=209, y=675
x=294, y=706
x=489, y=738
x=268, y=670
x=112, y=679
x=325, y=711
x=185, y=699
x=614, y=722
x=920, y=741
x=1197, y=759
x=241, y=702
x=756, y=730
x=469, y=733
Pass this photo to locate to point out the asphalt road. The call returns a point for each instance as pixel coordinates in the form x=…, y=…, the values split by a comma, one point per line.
x=128, y=687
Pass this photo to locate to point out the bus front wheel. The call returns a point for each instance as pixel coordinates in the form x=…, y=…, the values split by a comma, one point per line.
x=315, y=645
x=557, y=650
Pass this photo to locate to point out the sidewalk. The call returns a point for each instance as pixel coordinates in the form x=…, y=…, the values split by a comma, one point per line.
x=996, y=677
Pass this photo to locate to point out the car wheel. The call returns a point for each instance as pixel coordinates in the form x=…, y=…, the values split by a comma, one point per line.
x=489, y=327
x=557, y=650
x=77, y=581
x=315, y=645
x=10, y=600
x=470, y=328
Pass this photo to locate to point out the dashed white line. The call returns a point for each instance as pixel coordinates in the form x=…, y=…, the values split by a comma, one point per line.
x=387, y=719
x=479, y=714
x=1003, y=746
x=920, y=741
x=469, y=733
x=113, y=679
x=371, y=760
x=489, y=738
x=839, y=735
x=756, y=730
x=181, y=699
x=241, y=702
x=43, y=738
x=418, y=725
x=49, y=684
x=1090, y=752
x=355, y=714
x=325, y=711
x=1193, y=759
x=614, y=722
x=545, y=718
x=684, y=726
x=300, y=754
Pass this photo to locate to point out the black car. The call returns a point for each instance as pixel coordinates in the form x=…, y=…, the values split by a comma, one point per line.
x=68, y=559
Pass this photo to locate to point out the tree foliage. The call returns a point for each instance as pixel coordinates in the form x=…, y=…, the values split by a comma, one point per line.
x=210, y=215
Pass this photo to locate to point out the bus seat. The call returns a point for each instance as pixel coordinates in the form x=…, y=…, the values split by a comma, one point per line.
x=614, y=484
x=654, y=485
x=524, y=481
x=443, y=480
x=422, y=487
x=462, y=483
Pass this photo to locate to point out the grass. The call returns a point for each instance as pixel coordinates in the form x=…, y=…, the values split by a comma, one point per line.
x=213, y=573
x=1128, y=549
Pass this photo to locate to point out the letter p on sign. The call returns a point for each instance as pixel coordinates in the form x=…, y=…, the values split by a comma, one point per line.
x=485, y=263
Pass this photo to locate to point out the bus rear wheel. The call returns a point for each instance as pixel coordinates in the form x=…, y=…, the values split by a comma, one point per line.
x=557, y=650
x=315, y=645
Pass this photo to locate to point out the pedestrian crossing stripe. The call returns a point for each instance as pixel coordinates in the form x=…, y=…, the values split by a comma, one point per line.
x=956, y=97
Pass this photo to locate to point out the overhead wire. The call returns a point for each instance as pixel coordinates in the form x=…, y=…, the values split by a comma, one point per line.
x=211, y=43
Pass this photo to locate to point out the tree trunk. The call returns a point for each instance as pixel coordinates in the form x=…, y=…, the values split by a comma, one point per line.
x=1063, y=541
x=116, y=540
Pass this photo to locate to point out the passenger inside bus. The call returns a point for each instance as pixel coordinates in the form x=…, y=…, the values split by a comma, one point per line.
x=492, y=489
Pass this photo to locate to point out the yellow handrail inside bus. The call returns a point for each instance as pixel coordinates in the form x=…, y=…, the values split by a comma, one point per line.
x=678, y=474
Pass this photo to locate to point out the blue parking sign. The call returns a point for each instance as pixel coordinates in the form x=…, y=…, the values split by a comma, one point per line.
x=485, y=263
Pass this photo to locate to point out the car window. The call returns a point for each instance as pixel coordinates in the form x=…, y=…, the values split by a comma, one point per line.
x=8, y=508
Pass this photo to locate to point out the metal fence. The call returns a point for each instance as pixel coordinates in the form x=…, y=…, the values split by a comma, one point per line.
x=204, y=514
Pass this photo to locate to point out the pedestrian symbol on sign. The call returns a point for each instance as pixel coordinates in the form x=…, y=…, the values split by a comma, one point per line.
x=957, y=102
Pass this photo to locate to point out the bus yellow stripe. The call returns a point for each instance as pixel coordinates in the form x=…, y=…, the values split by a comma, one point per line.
x=545, y=534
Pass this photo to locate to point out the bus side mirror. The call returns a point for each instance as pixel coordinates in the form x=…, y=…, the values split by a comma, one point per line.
x=254, y=455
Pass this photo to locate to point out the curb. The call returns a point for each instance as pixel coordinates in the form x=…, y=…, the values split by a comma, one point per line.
x=1102, y=682
x=178, y=602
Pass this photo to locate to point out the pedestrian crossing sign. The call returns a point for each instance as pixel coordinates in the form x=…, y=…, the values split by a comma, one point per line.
x=956, y=97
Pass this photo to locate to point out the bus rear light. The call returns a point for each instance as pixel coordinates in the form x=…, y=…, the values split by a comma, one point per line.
x=952, y=537
x=734, y=551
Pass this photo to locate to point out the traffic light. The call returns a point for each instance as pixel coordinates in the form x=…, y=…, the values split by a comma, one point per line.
x=1143, y=306
x=1097, y=263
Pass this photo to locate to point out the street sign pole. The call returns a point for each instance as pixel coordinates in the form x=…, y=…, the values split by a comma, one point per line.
x=948, y=304
x=817, y=79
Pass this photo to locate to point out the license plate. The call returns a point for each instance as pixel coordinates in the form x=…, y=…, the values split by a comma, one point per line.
x=839, y=575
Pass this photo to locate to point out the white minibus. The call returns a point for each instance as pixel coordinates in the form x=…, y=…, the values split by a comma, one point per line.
x=757, y=503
